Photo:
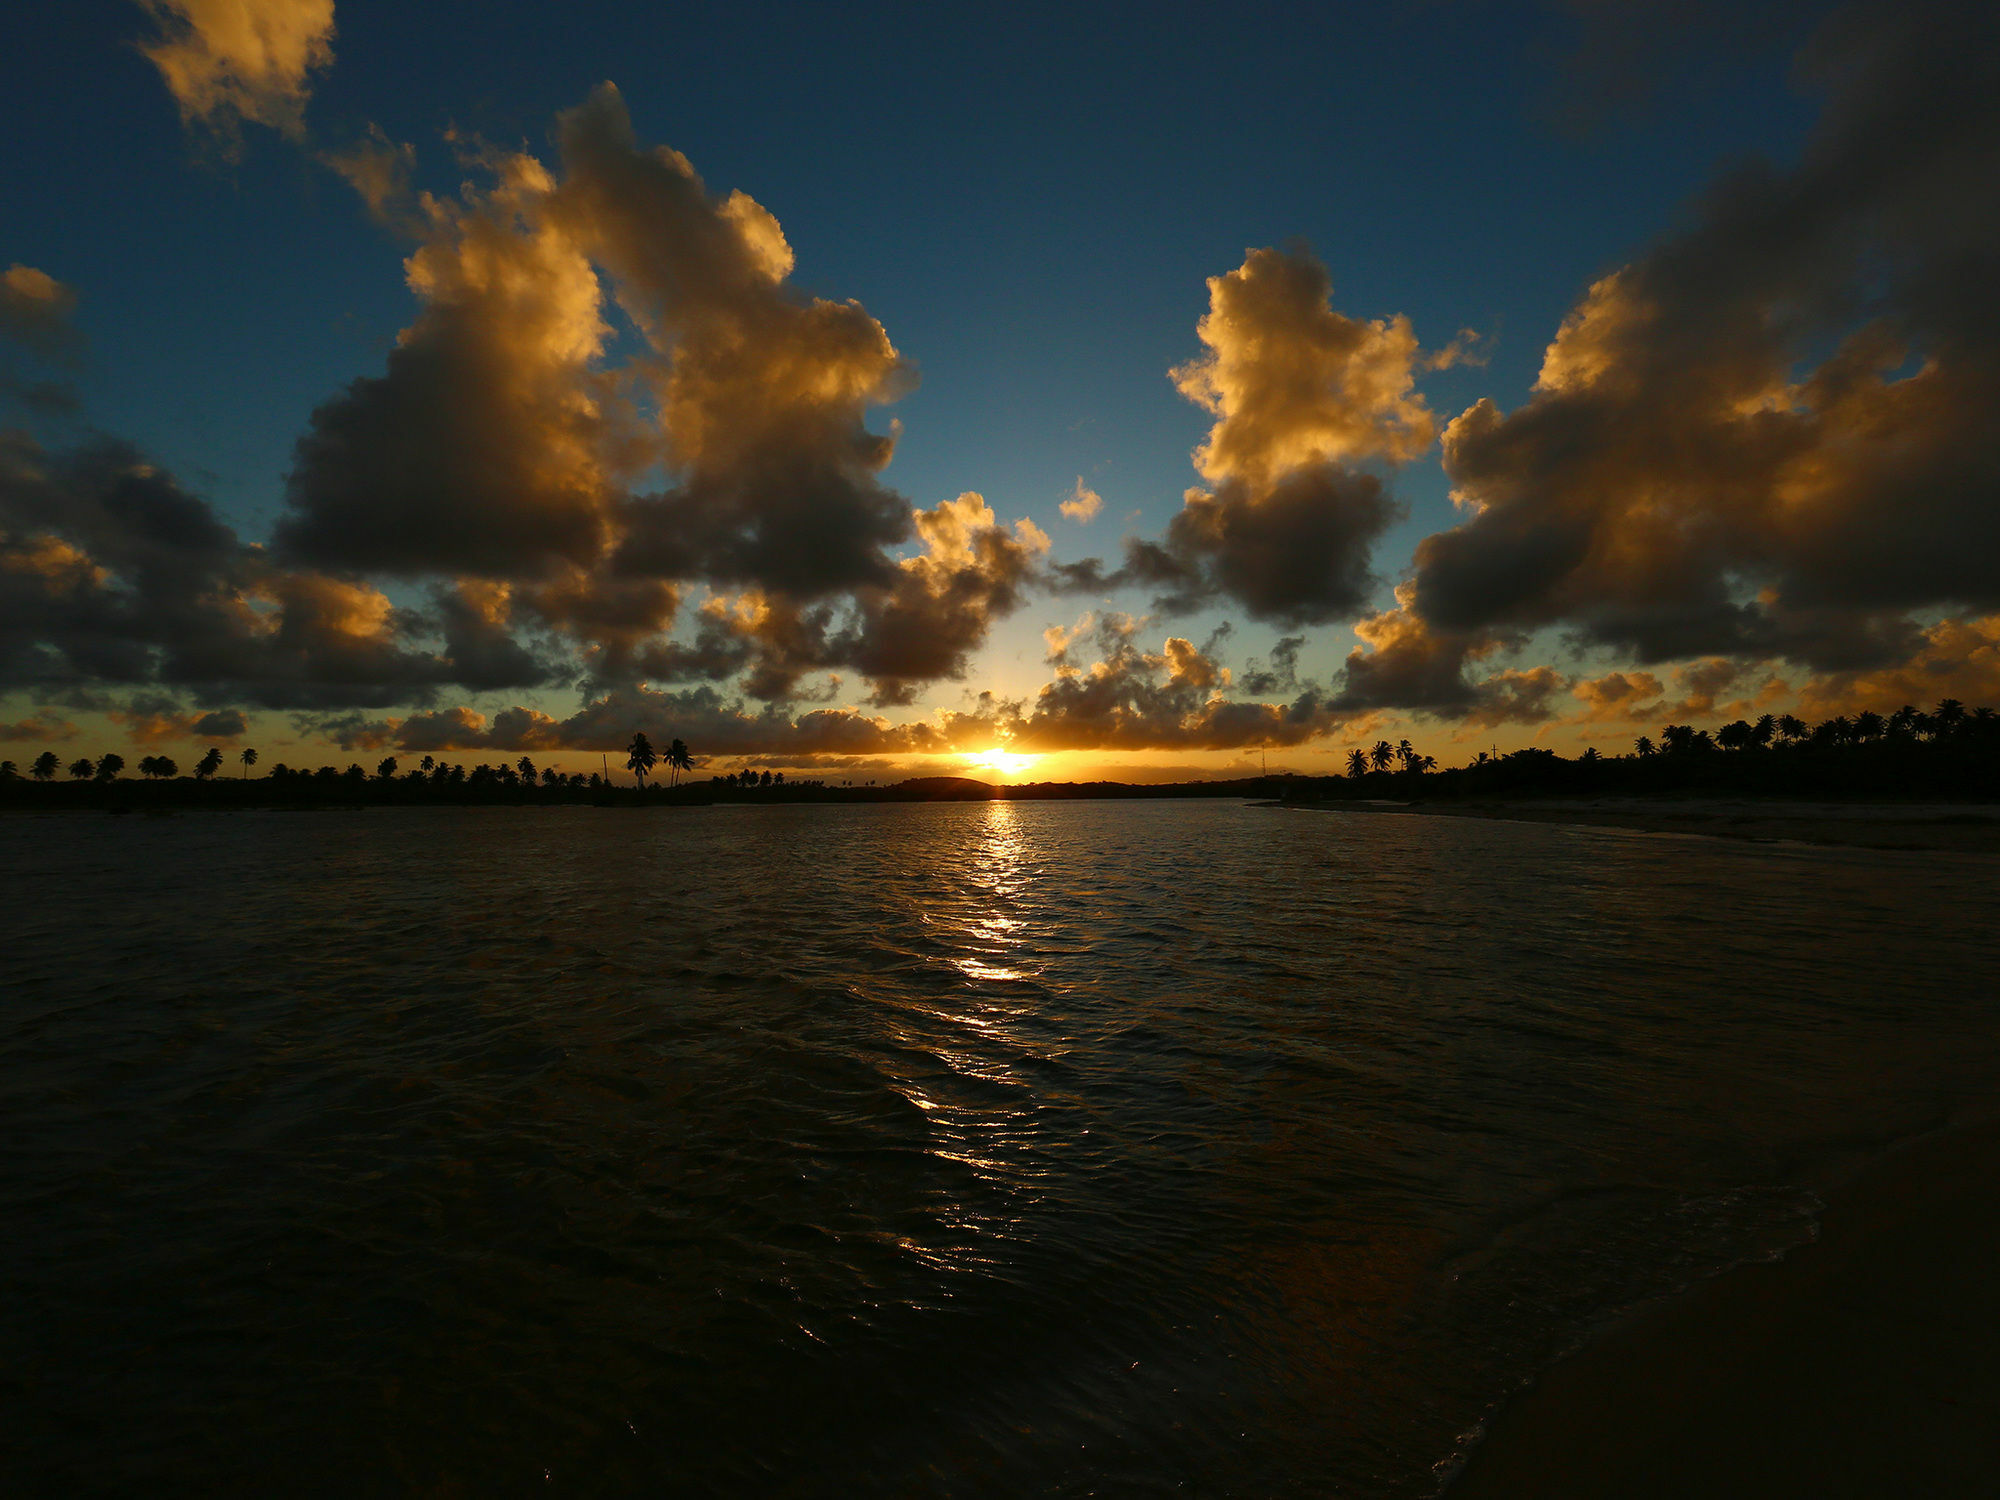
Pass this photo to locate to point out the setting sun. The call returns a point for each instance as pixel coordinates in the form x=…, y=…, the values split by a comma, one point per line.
x=1006, y=762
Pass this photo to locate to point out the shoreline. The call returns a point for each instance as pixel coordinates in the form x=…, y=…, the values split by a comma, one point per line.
x=1861, y=1364
x=1954, y=827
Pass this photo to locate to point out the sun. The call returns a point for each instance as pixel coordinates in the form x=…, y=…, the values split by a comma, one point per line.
x=1006, y=762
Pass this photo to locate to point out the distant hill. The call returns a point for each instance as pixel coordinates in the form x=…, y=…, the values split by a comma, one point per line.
x=945, y=789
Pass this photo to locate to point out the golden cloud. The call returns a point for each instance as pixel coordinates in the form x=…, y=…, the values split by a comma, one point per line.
x=227, y=61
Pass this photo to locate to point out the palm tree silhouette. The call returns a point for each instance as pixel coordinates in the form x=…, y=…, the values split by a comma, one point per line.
x=81, y=770
x=46, y=764
x=1383, y=755
x=209, y=764
x=1357, y=763
x=679, y=759
x=109, y=766
x=249, y=759
x=640, y=757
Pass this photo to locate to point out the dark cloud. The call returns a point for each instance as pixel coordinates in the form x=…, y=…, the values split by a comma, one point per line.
x=223, y=724
x=486, y=446
x=112, y=574
x=1771, y=435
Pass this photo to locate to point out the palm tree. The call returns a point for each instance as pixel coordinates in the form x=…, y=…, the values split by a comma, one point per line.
x=428, y=764
x=1792, y=727
x=527, y=769
x=387, y=770
x=1407, y=754
x=1643, y=745
x=1867, y=725
x=1949, y=715
x=1357, y=764
x=1761, y=732
x=46, y=764
x=249, y=759
x=109, y=766
x=1382, y=755
x=159, y=767
x=679, y=759
x=640, y=757
x=81, y=770
x=208, y=765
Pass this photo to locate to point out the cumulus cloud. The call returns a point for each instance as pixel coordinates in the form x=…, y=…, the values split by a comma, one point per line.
x=1618, y=695
x=1404, y=662
x=1293, y=383
x=1953, y=659
x=112, y=574
x=484, y=447
x=1770, y=435
x=501, y=445
x=35, y=311
x=1301, y=394
x=228, y=61
x=1083, y=504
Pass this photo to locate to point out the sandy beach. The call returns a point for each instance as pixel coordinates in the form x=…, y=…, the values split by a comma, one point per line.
x=1961, y=827
x=1865, y=1364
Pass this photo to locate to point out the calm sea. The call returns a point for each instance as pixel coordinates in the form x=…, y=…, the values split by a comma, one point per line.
x=1008, y=1149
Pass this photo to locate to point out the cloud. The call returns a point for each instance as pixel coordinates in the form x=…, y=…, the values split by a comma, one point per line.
x=1127, y=699
x=35, y=310
x=761, y=392
x=228, y=61
x=1409, y=664
x=1628, y=696
x=1300, y=394
x=112, y=574
x=1770, y=435
x=485, y=447
x=1954, y=658
x=41, y=729
x=1293, y=383
x=502, y=444
x=152, y=720
x=1083, y=504
x=1295, y=551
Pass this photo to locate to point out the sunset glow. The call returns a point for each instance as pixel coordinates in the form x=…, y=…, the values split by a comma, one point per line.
x=555, y=413
x=1006, y=762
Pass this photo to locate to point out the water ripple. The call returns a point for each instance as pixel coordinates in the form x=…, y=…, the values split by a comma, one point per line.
x=964, y=1150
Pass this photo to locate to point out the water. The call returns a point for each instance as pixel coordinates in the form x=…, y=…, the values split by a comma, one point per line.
x=994, y=1149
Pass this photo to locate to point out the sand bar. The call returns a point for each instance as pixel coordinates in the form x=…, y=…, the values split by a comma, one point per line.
x=1866, y=1364
x=1966, y=827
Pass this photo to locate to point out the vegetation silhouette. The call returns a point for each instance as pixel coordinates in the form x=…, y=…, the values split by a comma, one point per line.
x=1951, y=753
x=640, y=757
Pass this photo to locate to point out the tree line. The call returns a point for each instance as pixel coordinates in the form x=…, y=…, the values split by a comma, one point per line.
x=1948, y=751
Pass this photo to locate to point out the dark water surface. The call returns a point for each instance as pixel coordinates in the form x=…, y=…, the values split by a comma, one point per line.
x=998, y=1149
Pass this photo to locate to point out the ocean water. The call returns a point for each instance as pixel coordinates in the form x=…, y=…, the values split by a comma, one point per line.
x=992, y=1149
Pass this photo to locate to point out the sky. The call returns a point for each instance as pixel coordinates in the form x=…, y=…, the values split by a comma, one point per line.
x=1045, y=392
